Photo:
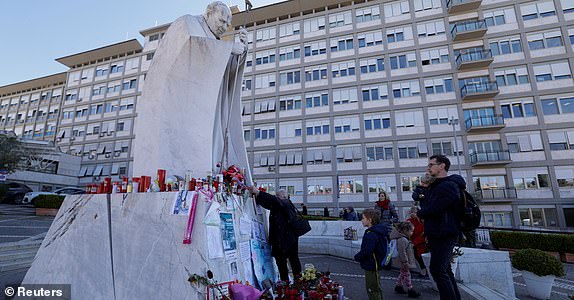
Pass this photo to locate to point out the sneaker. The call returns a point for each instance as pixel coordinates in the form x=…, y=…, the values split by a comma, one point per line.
x=399, y=289
x=413, y=294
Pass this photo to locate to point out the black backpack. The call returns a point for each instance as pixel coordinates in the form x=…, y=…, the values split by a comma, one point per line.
x=469, y=213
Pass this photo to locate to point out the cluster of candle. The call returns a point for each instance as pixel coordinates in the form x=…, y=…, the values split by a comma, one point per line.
x=144, y=184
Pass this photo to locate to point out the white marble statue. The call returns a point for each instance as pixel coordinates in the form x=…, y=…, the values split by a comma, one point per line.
x=189, y=115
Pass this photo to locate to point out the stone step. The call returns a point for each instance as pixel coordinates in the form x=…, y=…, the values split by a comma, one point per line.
x=17, y=254
x=20, y=245
x=480, y=292
x=16, y=265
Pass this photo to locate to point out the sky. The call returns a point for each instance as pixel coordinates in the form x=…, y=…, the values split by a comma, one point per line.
x=36, y=32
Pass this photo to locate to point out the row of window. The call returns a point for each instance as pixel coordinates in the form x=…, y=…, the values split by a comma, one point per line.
x=400, y=11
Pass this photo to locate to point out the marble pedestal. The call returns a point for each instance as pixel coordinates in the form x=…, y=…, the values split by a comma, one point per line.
x=131, y=250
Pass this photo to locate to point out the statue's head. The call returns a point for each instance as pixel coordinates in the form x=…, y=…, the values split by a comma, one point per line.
x=218, y=17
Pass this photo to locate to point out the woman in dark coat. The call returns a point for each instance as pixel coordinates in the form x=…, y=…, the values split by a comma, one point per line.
x=284, y=243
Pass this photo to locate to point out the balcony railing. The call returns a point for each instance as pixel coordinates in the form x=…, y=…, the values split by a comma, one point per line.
x=484, y=122
x=496, y=194
x=480, y=90
x=468, y=30
x=455, y=6
x=474, y=58
x=492, y=157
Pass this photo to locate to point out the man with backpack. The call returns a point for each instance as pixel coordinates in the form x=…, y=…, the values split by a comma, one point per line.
x=441, y=211
x=283, y=240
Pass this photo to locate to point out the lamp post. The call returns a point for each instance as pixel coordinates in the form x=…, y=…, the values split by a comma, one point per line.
x=453, y=122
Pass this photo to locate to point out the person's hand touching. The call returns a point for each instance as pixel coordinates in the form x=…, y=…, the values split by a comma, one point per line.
x=254, y=190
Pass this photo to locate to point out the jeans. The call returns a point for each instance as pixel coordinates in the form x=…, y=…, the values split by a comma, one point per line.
x=440, y=269
x=373, y=285
x=293, y=256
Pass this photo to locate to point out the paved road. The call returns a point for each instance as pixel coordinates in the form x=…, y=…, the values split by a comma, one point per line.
x=20, y=222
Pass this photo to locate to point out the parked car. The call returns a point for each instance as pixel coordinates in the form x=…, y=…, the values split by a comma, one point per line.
x=29, y=197
x=15, y=192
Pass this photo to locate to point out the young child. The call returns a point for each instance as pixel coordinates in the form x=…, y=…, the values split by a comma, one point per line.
x=373, y=251
x=406, y=257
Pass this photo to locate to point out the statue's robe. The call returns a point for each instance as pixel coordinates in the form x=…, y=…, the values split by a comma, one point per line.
x=191, y=95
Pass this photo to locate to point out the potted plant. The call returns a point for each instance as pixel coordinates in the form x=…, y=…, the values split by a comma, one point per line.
x=538, y=270
x=48, y=205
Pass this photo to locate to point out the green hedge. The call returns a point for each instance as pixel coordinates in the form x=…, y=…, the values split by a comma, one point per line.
x=563, y=243
x=3, y=190
x=320, y=218
x=49, y=201
x=537, y=262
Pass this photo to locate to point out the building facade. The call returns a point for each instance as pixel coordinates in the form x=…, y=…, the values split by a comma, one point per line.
x=343, y=99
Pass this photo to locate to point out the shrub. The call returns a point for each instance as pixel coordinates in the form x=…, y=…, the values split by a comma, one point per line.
x=522, y=240
x=537, y=262
x=320, y=218
x=49, y=201
x=3, y=190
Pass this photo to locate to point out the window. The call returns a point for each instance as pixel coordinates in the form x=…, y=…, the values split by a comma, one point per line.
x=397, y=8
x=129, y=84
x=116, y=69
x=96, y=109
x=293, y=186
x=438, y=85
x=407, y=119
x=290, y=102
x=265, y=34
x=399, y=34
x=264, y=106
x=445, y=148
x=505, y=46
x=317, y=127
x=154, y=37
x=499, y=16
x=346, y=124
x=431, y=28
x=530, y=178
x=406, y=89
x=289, y=77
x=349, y=154
x=421, y=5
x=344, y=96
x=351, y=184
x=379, y=152
x=520, y=109
x=247, y=135
x=374, y=93
x=289, y=53
x=246, y=86
x=565, y=176
x=567, y=6
x=511, y=76
x=340, y=44
x=367, y=14
x=377, y=121
x=101, y=71
x=264, y=159
x=441, y=116
x=524, y=142
x=289, y=29
x=409, y=183
x=343, y=69
x=380, y=183
x=71, y=95
x=538, y=217
x=149, y=56
x=98, y=90
x=315, y=24
x=114, y=87
x=264, y=81
x=315, y=48
x=537, y=10
x=319, y=185
x=552, y=71
x=340, y=19
x=482, y=183
x=318, y=156
x=368, y=39
x=485, y=147
x=402, y=61
x=317, y=99
x=314, y=73
x=264, y=57
x=561, y=140
x=412, y=150
x=371, y=65
x=264, y=133
x=434, y=56
x=550, y=39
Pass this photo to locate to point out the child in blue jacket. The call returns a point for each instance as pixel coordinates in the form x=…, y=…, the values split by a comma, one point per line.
x=373, y=252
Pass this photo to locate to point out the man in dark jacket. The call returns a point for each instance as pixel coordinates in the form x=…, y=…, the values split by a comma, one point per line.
x=439, y=210
x=284, y=243
x=373, y=251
